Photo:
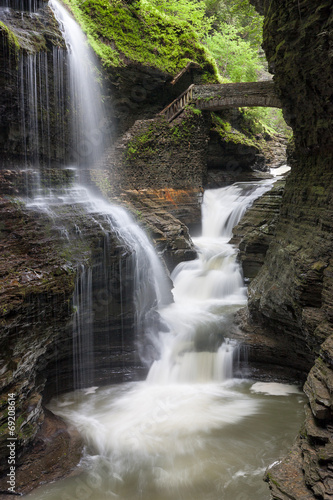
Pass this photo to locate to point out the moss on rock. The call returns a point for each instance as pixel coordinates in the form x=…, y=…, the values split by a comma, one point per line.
x=9, y=40
x=230, y=134
x=120, y=33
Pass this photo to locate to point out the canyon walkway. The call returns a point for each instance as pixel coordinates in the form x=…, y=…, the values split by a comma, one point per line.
x=223, y=96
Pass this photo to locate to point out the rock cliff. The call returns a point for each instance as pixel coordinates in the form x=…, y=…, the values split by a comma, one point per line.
x=292, y=294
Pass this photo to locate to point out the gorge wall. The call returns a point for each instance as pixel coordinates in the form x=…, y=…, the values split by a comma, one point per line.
x=292, y=294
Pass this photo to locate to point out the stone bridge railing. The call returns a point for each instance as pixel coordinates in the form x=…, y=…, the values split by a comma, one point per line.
x=223, y=96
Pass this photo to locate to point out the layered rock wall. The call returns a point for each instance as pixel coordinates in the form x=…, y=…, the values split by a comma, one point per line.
x=292, y=294
x=34, y=125
x=42, y=267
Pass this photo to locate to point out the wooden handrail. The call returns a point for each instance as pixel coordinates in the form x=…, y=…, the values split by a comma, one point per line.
x=177, y=106
x=189, y=66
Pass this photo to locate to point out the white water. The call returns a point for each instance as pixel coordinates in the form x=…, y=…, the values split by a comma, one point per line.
x=190, y=430
x=142, y=266
x=177, y=441
x=77, y=96
x=89, y=124
x=149, y=285
x=207, y=292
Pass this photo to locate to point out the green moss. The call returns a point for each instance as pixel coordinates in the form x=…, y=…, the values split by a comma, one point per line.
x=119, y=32
x=160, y=132
x=195, y=110
x=143, y=144
x=230, y=134
x=10, y=40
x=270, y=479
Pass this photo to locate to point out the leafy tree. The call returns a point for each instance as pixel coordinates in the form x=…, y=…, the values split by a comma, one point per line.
x=235, y=57
x=231, y=30
x=240, y=14
x=192, y=11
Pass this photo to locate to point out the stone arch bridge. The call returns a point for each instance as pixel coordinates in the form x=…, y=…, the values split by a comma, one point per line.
x=223, y=96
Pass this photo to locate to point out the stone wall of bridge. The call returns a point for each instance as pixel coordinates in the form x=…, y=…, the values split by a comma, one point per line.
x=233, y=95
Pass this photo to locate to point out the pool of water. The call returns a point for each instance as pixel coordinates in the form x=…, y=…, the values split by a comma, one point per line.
x=178, y=441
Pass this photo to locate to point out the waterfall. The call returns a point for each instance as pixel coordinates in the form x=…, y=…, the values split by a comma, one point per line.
x=42, y=90
x=109, y=287
x=207, y=292
x=83, y=359
x=88, y=122
x=188, y=431
x=23, y=5
x=194, y=345
x=181, y=433
x=60, y=106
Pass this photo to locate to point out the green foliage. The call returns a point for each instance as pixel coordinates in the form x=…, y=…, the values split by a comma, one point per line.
x=193, y=12
x=231, y=29
x=236, y=39
x=240, y=14
x=230, y=134
x=235, y=57
x=220, y=35
x=118, y=31
x=265, y=121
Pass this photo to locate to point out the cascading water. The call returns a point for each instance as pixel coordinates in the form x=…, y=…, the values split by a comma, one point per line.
x=206, y=291
x=142, y=276
x=190, y=430
x=27, y=5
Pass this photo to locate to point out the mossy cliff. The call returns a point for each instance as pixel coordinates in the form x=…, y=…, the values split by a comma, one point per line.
x=142, y=52
x=293, y=292
x=121, y=31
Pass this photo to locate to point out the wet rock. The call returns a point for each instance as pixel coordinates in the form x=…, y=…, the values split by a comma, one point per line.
x=319, y=389
x=256, y=230
x=286, y=479
x=163, y=213
x=268, y=357
x=312, y=453
x=35, y=37
x=55, y=453
x=40, y=264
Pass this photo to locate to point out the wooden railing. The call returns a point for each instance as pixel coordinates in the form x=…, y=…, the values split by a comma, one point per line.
x=177, y=106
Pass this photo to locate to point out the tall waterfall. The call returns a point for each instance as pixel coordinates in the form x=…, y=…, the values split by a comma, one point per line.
x=188, y=431
x=88, y=123
x=107, y=287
